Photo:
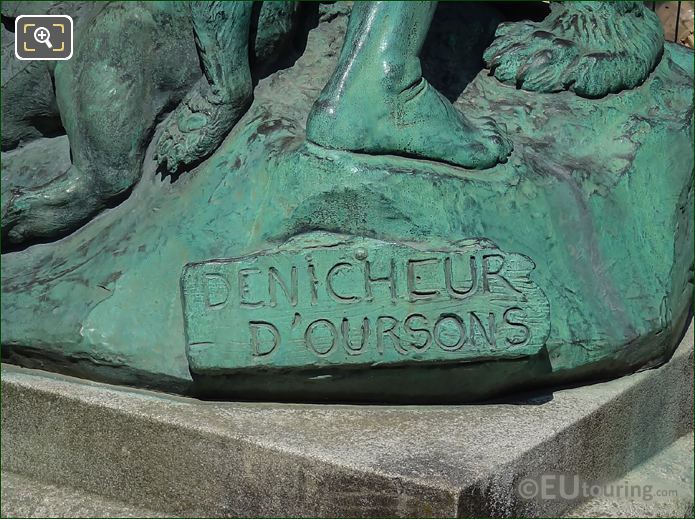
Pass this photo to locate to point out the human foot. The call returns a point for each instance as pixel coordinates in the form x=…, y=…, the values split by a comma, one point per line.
x=198, y=126
x=591, y=48
x=418, y=122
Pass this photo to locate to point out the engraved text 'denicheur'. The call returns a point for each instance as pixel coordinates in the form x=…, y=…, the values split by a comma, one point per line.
x=363, y=302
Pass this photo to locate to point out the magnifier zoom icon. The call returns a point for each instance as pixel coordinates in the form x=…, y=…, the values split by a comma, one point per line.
x=42, y=35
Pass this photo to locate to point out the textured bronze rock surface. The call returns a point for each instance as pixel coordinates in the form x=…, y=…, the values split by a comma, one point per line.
x=596, y=199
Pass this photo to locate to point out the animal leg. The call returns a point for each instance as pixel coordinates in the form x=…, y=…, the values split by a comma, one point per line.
x=199, y=124
x=591, y=48
x=107, y=113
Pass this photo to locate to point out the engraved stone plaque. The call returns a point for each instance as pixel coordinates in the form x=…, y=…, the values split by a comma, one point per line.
x=362, y=302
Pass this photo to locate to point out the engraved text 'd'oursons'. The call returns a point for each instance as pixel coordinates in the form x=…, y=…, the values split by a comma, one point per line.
x=362, y=302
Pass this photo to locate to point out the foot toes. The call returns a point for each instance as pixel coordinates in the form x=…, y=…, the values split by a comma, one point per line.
x=541, y=63
x=497, y=51
x=191, y=122
x=504, y=28
x=596, y=77
x=537, y=56
x=515, y=30
x=166, y=141
x=9, y=213
x=495, y=140
x=538, y=72
x=507, y=66
x=507, y=36
x=194, y=131
x=15, y=206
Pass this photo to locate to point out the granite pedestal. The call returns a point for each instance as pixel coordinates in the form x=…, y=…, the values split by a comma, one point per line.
x=118, y=451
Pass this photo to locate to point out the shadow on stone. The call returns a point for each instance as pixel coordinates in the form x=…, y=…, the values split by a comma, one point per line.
x=460, y=33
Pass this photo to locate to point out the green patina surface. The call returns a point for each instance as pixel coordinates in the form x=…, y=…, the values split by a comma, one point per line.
x=361, y=303
x=596, y=193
